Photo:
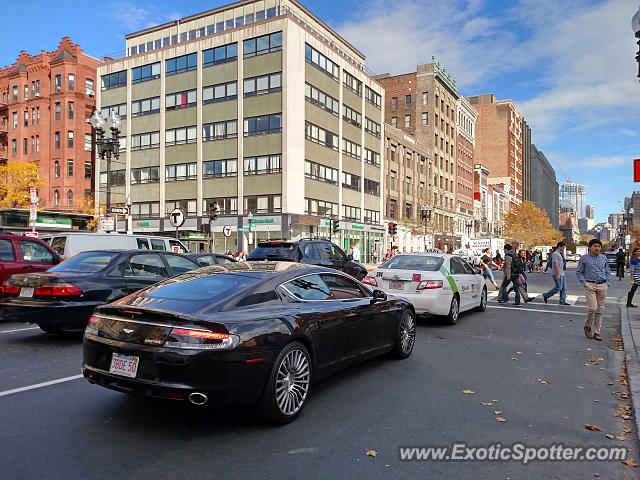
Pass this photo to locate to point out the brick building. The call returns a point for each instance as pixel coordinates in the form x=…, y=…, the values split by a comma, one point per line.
x=465, y=146
x=499, y=143
x=424, y=104
x=44, y=102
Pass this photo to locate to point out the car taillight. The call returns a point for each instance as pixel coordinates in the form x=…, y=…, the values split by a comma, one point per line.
x=92, y=326
x=200, y=339
x=370, y=281
x=429, y=284
x=57, y=290
x=9, y=288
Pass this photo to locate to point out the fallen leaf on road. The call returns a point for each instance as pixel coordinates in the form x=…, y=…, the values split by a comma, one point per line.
x=372, y=453
x=578, y=386
x=629, y=463
x=627, y=429
x=609, y=436
x=514, y=358
x=519, y=353
x=596, y=401
x=501, y=420
x=497, y=412
x=486, y=404
x=610, y=383
x=538, y=353
x=387, y=465
x=620, y=437
x=495, y=400
x=544, y=382
x=468, y=392
x=593, y=428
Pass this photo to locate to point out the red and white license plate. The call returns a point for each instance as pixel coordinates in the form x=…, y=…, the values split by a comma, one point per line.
x=123, y=365
x=26, y=292
x=396, y=285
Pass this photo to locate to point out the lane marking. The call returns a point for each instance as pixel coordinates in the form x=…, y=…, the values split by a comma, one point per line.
x=536, y=310
x=40, y=385
x=20, y=329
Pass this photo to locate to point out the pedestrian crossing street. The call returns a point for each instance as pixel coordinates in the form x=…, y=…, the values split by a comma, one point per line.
x=573, y=300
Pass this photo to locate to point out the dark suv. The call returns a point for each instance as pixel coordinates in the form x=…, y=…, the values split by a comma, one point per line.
x=311, y=252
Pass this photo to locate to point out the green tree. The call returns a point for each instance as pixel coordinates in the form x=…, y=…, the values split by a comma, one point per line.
x=16, y=178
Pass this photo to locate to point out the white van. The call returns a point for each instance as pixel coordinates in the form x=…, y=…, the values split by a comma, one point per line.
x=69, y=244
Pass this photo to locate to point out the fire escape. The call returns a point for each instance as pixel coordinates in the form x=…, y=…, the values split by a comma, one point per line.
x=4, y=132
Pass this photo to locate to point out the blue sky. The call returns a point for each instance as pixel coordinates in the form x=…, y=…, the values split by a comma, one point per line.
x=569, y=65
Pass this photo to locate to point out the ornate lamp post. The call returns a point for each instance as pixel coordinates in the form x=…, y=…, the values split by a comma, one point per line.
x=107, y=147
x=635, y=25
x=425, y=214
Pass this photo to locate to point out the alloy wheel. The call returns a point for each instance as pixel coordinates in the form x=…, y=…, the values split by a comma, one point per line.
x=292, y=381
x=407, y=332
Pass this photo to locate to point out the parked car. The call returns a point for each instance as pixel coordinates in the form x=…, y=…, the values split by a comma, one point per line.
x=21, y=254
x=435, y=283
x=572, y=257
x=311, y=252
x=71, y=243
x=64, y=297
x=206, y=259
x=244, y=332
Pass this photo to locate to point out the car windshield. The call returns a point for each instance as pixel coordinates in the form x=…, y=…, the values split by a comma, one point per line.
x=205, y=288
x=413, y=262
x=273, y=250
x=89, y=262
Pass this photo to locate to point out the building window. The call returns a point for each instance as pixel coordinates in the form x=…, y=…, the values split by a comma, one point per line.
x=178, y=100
x=407, y=101
x=180, y=136
x=223, y=54
x=88, y=142
x=351, y=116
x=142, y=141
x=114, y=80
x=38, y=115
x=408, y=210
x=14, y=147
x=33, y=116
x=318, y=60
x=56, y=140
x=320, y=208
x=394, y=104
x=352, y=83
x=220, y=130
x=425, y=118
x=69, y=168
x=351, y=181
x=371, y=216
x=26, y=118
x=351, y=148
x=220, y=168
x=263, y=164
x=14, y=96
x=15, y=119
x=120, y=110
x=262, y=125
x=263, y=84
x=88, y=171
x=188, y=206
x=70, y=110
x=263, y=204
x=71, y=82
x=33, y=89
x=425, y=98
x=220, y=92
x=372, y=97
x=181, y=171
x=185, y=63
x=321, y=136
x=33, y=144
x=56, y=169
x=145, y=175
x=146, y=106
x=407, y=121
x=145, y=72
x=37, y=143
x=322, y=173
x=145, y=209
x=25, y=146
x=264, y=44
x=88, y=87
x=57, y=110
x=37, y=88
x=351, y=213
x=371, y=187
x=56, y=198
x=371, y=127
x=394, y=122
x=321, y=99
x=228, y=205
x=372, y=157
x=70, y=139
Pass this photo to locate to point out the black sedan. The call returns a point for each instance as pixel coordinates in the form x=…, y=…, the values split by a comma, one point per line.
x=246, y=332
x=64, y=297
x=206, y=259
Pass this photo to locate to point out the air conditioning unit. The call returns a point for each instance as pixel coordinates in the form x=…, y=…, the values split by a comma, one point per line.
x=37, y=94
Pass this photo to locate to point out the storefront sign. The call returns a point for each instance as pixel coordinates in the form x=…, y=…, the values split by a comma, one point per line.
x=263, y=220
x=142, y=224
x=358, y=227
x=243, y=229
x=52, y=222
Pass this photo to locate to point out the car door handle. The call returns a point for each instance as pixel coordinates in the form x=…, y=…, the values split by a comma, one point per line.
x=29, y=267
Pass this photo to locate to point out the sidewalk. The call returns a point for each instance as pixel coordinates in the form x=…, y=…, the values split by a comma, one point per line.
x=630, y=323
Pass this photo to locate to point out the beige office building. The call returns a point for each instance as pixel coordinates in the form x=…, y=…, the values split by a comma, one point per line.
x=258, y=105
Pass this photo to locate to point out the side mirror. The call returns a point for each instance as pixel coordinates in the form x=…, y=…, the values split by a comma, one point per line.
x=378, y=296
x=349, y=258
x=56, y=258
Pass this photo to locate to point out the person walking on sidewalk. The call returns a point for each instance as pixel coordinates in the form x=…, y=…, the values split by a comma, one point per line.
x=594, y=274
x=511, y=274
x=522, y=278
x=634, y=275
x=486, y=262
x=558, y=267
x=620, y=258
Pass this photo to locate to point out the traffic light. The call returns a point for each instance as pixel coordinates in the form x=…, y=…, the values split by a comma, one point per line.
x=393, y=228
x=336, y=225
x=212, y=209
x=390, y=228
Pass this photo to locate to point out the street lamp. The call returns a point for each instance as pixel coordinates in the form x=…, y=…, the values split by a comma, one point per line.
x=635, y=25
x=425, y=214
x=107, y=147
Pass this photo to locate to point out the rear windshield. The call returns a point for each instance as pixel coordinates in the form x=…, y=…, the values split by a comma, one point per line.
x=413, y=262
x=88, y=262
x=266, y=251
x=209, y=288
x=58, y=243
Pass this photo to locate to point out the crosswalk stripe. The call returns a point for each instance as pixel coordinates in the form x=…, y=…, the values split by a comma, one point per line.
x=571, y=299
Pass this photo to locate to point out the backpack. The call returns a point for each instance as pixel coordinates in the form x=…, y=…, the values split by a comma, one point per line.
x=620, y=256
x=516, y=265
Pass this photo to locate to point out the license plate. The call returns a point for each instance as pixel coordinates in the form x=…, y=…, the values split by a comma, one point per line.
x=26, y=292
x=123, y=365
x=396, y=285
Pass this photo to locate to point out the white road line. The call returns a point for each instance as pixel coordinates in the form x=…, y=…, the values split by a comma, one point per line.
x=540, y=310
x=40, y=385
x=572, y=299
x=20, y=329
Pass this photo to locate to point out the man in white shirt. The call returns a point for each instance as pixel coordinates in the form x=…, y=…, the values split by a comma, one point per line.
x=355, y=251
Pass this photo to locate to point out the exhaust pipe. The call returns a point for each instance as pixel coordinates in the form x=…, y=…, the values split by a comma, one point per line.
x=198, y=399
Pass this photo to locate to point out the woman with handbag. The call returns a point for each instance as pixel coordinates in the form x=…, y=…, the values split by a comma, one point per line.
x=486, y=262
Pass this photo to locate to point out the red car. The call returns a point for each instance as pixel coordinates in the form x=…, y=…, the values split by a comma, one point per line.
x=21, y=254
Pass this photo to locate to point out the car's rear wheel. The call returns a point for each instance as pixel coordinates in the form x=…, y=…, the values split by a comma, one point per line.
x=288, y=385
x=406, y=335
x=483, y=301
x=454, y=311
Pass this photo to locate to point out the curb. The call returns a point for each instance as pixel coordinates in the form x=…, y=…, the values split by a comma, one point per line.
x=633, y=367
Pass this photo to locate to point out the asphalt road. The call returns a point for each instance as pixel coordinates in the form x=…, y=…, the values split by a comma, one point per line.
x=74, y=429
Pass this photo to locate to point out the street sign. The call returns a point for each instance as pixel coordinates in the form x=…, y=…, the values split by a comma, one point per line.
x=226, y=230
x=33, y=193
x=636, y=169
x=176, y=218
x=31, y=234
x=107, y=224
x=33, y=212
x=120, y=210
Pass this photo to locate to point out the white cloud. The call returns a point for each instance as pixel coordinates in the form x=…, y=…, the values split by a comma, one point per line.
x=133, y=17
